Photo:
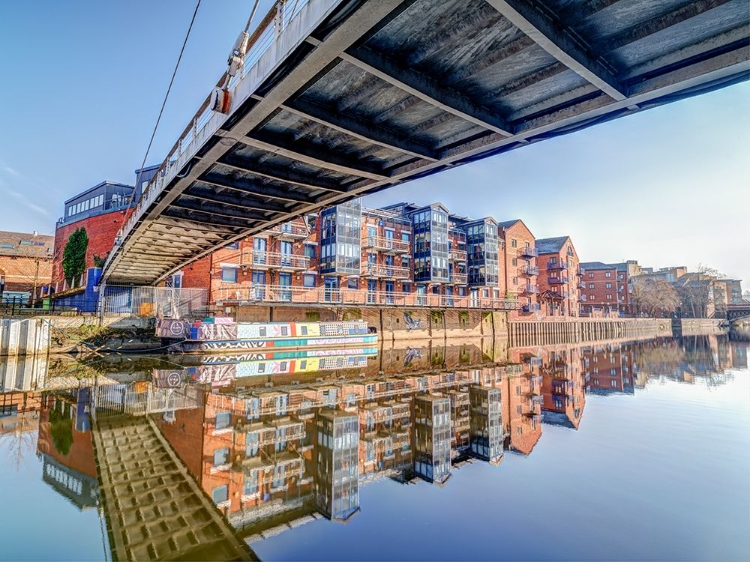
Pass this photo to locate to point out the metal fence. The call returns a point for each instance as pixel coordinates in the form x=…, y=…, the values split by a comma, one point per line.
x=168, y=302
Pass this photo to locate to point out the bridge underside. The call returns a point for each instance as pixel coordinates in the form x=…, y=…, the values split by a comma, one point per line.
x=374, y=93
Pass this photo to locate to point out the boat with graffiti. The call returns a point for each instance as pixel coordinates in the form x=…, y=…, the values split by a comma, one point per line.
x=222, y=370
x=223, y=335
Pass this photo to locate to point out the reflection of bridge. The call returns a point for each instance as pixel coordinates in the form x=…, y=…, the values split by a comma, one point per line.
x=154, y=509
x=738, y=311
x=338, y=99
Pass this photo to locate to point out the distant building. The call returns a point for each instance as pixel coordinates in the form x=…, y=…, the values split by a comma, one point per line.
x=101, y=211
x=559, y=276
x=521, y=269
x=25, y=263
x=599, y=289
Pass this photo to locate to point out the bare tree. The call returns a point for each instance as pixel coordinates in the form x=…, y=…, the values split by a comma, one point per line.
x=654, y=296
x=700, y=293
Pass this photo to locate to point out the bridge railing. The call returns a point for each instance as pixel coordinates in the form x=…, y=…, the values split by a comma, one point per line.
x=198, y=131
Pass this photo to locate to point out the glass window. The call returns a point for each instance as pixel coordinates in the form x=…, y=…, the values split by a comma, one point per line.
x=229, y=274
x=223, y=419
x=309, y=280
x=310, y=251
x=221, y=456
x=220, y=494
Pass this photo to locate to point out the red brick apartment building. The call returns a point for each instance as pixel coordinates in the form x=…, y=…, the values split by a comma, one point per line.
x=100, y=210
x=559, y=276
x=25, y=262
x=599, y=289
x=521, y=269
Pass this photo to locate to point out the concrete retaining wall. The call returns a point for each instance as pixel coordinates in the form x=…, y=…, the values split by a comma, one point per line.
x=698, y=326
x=24, y=337
x=553, y=331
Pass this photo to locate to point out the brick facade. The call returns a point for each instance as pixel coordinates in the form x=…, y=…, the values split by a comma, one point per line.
x=25, y=260
x=102, y=231
x=520, y=266
x=559, y=275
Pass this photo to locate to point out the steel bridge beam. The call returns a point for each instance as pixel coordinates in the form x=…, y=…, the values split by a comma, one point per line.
x=425, y=88
x=551, y=36
x=358, y=128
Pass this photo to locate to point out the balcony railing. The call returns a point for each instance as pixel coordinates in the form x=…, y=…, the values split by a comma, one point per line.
x=553, y=280
x=530, y=289
x=388, y=245
x=458, y=255
x=533, y=307
x=242, y=293
x=459, y=278
x=528, y=252
x=529, y=270
x=270, y=260
x=289, y=230
x=385, y=271
x=557, y=265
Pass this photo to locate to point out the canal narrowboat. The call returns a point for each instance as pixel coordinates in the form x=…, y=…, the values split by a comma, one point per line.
x=221, y=370
x=222, y=335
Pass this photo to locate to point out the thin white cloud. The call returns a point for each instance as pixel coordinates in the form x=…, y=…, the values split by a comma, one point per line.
x=28, y=204
x=10, y=170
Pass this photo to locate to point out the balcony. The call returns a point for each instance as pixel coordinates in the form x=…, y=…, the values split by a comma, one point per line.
x=528, y=252
x=289, y=231
x=530, y=290
x=458, y=255
x=579, y=272
x=562, y=280
x=529, y=308
x=557, y=265
x=459, y=278
x=529, y=270
x=582, y=284
x=271, y=260
x=387, y=245
x=385, y=271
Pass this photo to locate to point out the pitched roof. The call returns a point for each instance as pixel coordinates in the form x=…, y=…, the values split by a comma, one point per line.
x=551, y=245
x=507, y=224
x=595, y=265
x=26, y=244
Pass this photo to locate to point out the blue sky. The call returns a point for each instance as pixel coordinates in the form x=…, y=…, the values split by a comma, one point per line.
x=83, y=82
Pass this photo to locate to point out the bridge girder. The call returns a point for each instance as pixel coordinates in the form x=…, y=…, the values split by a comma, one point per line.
x=356, y=97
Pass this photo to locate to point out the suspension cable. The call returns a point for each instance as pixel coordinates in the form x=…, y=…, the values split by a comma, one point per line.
x=161, y=111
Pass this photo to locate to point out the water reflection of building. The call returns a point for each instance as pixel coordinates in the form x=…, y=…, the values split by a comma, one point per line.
x=564, y=396
x=337, y=464
x=486, y=423
x=610, y=368
x=66, y=447
x=432, y=438
x=691, y=359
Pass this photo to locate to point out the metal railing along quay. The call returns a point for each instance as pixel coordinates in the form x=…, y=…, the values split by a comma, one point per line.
x=258, y=294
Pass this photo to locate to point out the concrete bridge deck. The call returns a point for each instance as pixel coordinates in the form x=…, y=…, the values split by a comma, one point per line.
x=340, y=98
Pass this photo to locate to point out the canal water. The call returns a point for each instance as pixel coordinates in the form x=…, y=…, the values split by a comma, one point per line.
x=613, y=450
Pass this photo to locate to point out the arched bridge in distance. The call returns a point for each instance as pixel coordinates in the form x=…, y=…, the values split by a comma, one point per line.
x=341, y=98
x=738, y=312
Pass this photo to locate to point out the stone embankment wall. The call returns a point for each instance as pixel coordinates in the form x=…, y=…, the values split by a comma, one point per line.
x=392, y=324
x=552, y=331
x=698, y=326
